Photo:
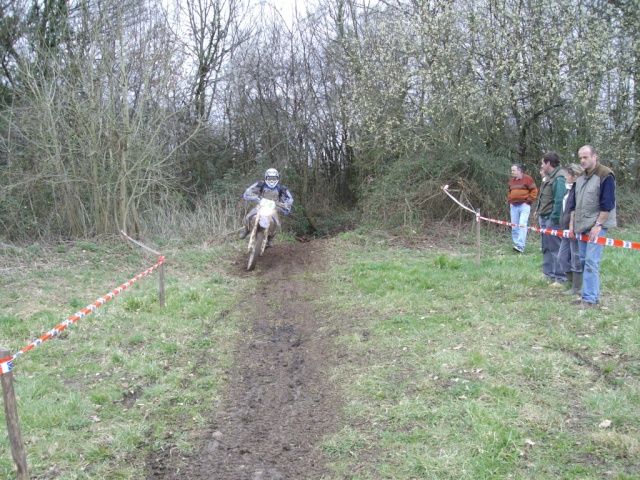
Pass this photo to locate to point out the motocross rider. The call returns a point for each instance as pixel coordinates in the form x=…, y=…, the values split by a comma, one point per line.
x=271, y=190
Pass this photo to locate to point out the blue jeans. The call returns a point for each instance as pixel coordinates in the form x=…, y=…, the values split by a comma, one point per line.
x=519, y=216
x=590, y=256
x=550, y=248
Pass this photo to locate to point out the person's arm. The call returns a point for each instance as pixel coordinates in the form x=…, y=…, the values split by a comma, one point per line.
x=252, y=193
x=559, y=189
x=286, y=199
x=608, y=194
x=607, y=203
x=572, y=232
x=572, y=208
x=533, y=192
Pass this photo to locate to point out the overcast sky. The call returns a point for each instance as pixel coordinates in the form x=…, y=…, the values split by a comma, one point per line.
x=287, y=7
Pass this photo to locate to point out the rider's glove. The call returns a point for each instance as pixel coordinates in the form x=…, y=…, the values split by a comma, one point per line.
x=283, y=206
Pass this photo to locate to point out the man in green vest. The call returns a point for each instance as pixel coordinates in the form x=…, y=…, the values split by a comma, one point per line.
x=548, y=210
x=593, y=213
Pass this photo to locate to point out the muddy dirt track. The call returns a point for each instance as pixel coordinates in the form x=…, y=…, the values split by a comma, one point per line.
x=278, y=404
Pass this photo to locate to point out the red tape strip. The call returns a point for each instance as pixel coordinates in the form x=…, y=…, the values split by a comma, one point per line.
x=611, y=242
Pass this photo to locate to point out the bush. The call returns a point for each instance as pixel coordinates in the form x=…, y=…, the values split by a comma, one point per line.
x=410, y=191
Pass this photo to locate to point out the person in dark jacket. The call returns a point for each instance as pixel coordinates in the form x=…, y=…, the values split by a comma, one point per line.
x=271, y=190
x=569, y=253
x=548, y=209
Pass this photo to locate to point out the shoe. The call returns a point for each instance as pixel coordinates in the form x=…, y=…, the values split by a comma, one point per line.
x=586, y=305
x=244, y=234
x=270, y=242
x=518, y=249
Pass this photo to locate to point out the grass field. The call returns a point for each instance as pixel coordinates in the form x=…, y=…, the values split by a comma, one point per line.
x=453, y=370
x=125, y=379
x=482, y=371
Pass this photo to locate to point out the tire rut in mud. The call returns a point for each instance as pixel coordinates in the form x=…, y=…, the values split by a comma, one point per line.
x=278, y=404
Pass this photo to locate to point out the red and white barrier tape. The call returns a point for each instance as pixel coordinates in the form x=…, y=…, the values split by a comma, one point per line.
x=611, y=242
x=6, y=364
x=139, y=244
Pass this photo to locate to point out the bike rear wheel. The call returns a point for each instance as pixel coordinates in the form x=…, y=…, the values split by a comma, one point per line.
x=255, y=251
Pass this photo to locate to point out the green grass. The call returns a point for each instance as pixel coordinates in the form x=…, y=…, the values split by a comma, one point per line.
x=128, y=378
x=452, y=370
x=482, y=371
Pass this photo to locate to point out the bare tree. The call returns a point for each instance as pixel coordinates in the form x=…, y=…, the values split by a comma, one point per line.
x=98, y=127
x=11, y=32
x=212, y=31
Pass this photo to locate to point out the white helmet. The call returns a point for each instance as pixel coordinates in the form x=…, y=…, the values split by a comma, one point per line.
x=271, y=177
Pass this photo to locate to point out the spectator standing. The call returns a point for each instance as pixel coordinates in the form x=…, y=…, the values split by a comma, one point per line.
x=569, y=253
x=522, y=193
x=547, y=212
x=543, y=176
x=593, y=213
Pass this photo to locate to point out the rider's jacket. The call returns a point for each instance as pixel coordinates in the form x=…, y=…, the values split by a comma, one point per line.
x=279, y=194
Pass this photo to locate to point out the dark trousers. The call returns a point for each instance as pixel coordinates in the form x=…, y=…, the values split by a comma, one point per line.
x=550, y=248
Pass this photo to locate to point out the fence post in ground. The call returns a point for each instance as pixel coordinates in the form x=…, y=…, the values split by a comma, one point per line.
x=13, y=424
x=478, y=237
x=161, y=284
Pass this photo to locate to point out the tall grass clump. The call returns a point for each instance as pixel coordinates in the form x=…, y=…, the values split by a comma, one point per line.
x=212, y=217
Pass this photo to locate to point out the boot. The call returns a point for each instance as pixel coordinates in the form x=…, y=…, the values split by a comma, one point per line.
x=244, y=234
x=577, y=282
x=576, y=288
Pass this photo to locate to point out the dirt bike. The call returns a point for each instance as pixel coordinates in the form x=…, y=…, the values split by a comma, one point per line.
x=263, y=226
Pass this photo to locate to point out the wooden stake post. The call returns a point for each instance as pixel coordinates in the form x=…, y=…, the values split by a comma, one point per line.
x=478, y=243
x=13, y=424
x=161, y=285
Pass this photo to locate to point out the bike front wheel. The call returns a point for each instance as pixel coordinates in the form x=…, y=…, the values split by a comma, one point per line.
x=255, y=251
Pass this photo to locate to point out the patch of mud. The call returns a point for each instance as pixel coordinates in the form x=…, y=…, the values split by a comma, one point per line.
x=279, y=403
